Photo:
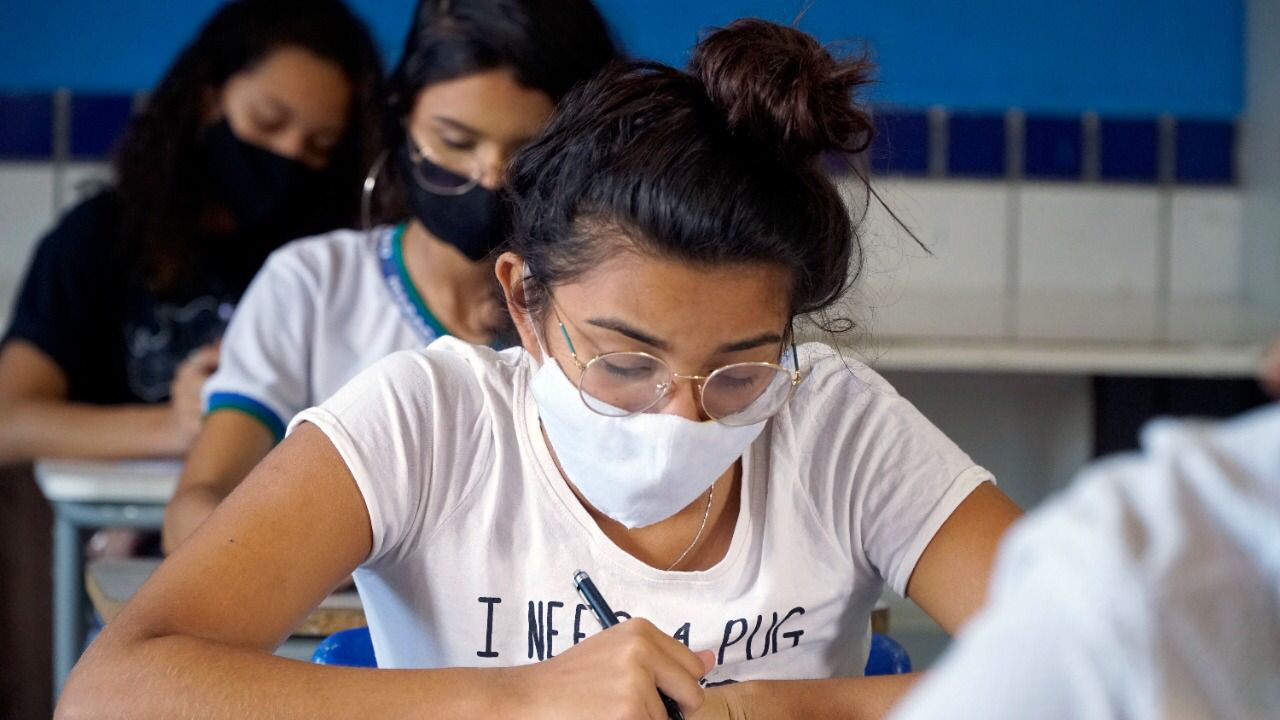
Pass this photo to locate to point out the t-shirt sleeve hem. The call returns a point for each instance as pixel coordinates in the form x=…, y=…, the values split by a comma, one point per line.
x=252, y=407
x=332, y=427
x=29, y=330
x=963, y=484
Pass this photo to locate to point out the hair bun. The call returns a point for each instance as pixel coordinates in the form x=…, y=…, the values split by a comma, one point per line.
x=779, y=86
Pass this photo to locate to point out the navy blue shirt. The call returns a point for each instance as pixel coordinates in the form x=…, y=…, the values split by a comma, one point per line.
x=90, y=310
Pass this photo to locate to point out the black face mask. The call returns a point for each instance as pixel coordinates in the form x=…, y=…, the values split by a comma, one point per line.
x=271, y=196
x=475, y=222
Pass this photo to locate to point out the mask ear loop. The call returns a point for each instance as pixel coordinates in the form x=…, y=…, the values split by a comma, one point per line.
x=533, y=325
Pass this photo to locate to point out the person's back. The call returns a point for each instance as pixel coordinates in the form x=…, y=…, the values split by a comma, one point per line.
x=1150, y=590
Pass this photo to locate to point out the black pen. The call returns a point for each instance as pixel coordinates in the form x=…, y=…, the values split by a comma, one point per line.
x=608, y=618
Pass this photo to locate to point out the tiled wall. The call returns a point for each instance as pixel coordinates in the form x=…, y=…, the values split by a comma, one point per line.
x=1130, y=215
x=1014, y=207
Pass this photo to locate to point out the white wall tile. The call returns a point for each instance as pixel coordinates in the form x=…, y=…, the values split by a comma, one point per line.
x=963, y=224
x=26, y=213
x=907, y=291
x=1091, y=240
x=1207, y=240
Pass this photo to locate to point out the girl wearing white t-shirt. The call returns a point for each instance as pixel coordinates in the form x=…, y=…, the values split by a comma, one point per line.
x=742, y=499
x=476, y=81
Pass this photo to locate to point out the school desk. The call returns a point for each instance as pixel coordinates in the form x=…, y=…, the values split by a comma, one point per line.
x=87, y=495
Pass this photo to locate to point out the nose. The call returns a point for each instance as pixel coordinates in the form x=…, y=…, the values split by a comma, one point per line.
x=491, y=176
x=493, y=170
x=291, y=144
x=682, y=400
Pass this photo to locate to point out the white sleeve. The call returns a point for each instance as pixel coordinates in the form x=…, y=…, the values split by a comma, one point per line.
x=266, y=351
x=885, y=478
x=911, y=478
x=413, y=431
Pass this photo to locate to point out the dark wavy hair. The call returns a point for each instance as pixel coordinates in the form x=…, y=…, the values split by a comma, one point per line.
x=719, y=164
x=549, y=45
x=161, y=185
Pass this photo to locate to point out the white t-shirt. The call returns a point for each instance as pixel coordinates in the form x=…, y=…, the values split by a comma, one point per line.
x=476, y=535
x=321, y=310
x=1150, y=590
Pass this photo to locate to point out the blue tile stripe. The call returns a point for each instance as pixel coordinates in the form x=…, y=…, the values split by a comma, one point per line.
x=1053, y=146
x=1129, y=149
x=1206, y=152
x=976, y=146
x=97, y=123
x=26, y=127
x=901, y=144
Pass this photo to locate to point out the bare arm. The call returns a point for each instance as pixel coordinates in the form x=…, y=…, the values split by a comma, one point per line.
x=950, y=579
x=196, y=641
x=864, y=698
x=37, y=420
x=949, y=583
x=229, y=445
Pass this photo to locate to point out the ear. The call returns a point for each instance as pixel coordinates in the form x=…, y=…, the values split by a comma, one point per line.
x=510, y=271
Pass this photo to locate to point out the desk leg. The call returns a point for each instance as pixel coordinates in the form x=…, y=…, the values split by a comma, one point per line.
x=68, y=613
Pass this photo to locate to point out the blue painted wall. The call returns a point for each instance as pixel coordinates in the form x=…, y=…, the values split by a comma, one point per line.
x=1120, y=57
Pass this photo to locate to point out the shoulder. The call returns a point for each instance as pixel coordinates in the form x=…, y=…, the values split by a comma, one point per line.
x=86, y=232
x=854, y=442
x=842, y=395
x=447, y=380
x=324, y=258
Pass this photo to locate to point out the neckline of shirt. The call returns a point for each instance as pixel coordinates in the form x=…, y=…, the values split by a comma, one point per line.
x=395, y=273
x=529, y=428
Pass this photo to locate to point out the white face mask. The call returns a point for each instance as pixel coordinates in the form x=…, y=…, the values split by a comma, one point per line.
x=640, y=469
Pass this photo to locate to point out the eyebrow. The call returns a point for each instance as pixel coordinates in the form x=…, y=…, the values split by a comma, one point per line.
x=449, y=122
x=622, y=328
x=464, y=128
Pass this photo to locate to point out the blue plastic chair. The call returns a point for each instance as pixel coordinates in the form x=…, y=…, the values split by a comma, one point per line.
x=354, y=648
x=887, y=657
x=349, y=648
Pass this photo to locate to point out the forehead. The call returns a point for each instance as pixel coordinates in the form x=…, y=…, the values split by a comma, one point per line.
x=314, y=88
x=491, y=102
x=689, y=304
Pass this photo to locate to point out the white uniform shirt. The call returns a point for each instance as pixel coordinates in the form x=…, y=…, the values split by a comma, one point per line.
x=476, y=535
x=321, y=310
x=1150, y=590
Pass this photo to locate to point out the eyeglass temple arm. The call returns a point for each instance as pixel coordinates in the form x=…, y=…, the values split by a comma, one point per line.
x=573, y=352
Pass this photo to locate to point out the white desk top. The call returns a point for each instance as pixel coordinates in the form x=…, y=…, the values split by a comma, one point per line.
x=143, y=482
x=1060, y=334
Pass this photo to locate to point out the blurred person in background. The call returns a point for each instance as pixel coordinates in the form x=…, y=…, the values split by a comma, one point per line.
x=259, y=133
x=1151, y=589
x=1269, y=370
x=477, y=81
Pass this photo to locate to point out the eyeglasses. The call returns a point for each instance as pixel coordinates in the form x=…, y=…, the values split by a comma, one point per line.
x=621, y=384
x=431, y=175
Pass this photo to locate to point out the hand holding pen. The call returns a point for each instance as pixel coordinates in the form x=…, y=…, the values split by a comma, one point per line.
x=607, y=618
x=615, y=674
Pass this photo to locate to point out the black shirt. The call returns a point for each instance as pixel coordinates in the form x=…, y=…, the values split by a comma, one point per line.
x=86, y=307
